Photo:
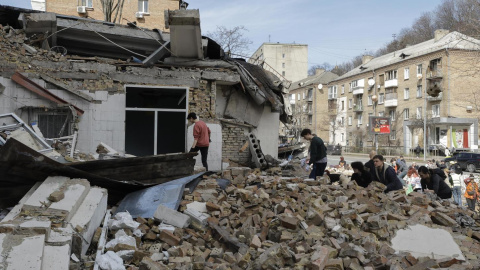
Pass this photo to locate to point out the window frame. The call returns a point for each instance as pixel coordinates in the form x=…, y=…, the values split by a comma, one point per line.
x=370, y=101
x=406, y=93
x=350, y=120
x=419, y=113
x=141, y=3
x=381, y=98
x=436, y=110
x=406, y=73
x=391, y=75
x=392, y=114
x=406, y=114
x=419, y=91
x=419, y=69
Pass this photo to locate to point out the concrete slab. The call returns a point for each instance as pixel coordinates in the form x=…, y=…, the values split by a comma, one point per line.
x=18, y=208
x=75, y=192
x=34, y=226
x=422, y=241
x=60, y=237
x=171, y=217
x=23, y=252
x=88, y=217
x=56, y=257
x=2, y=238
x=39, y=197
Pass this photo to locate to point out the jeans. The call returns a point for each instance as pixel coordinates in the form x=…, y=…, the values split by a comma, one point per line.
x=401, y=176
x=457, y=195
x=471, y=204
x=204, y=153
x=318, y=170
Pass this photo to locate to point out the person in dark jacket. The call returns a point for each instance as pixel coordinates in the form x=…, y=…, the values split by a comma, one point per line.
x=318, y=153
x=360, y=175
x=369, y=166
x=433, y=181
x=385, y=174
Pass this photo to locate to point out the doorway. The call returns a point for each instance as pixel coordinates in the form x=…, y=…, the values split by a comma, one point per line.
x=155, y=120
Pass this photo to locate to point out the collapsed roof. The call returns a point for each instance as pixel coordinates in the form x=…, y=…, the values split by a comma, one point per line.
x=182, y=47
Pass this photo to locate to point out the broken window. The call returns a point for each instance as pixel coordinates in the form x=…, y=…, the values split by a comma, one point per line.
x=155, y=120
x=54, y=125
x=143, y=6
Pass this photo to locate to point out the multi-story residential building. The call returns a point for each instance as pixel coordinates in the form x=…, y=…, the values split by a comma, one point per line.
x=309, y=106
x=289, y=61
x=145, y=13
x=436, y=81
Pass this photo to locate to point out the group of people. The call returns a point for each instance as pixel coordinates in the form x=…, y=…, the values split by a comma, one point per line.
x=434, y=177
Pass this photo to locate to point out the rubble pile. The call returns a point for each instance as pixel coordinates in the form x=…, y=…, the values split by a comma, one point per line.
x=54, y=221
x=263, y=221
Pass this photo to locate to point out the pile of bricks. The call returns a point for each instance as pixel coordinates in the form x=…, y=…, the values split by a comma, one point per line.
x=263, y=221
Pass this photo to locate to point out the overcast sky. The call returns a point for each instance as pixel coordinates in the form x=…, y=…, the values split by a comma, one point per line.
x=335, y=30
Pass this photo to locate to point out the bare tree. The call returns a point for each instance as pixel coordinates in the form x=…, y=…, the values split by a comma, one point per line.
x=112, y=10
x=232, y=40
x=326, y=66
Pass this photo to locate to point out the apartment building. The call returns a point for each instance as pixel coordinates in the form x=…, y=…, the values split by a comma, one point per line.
x=288, y=61
x=309, y=105
x=434, y=84
x=145, y=13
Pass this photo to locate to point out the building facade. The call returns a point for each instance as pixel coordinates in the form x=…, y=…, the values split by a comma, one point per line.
x=309, y=105
x=145, y=13
x=289, y=61
x=429, y=89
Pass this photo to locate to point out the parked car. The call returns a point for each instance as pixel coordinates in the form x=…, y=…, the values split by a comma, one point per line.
x=334, y=150
x=467, y=161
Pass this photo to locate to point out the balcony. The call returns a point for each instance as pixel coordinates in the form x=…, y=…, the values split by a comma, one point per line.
x=358, y=91
x=391, y=83
x=358, y=108
x=357, y=86
x=436, y=74
x=437, y=98
x=391, y=100
x=309, y=98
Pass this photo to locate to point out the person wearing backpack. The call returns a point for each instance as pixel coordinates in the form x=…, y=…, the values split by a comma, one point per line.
x=432, y=181
x=471, y=192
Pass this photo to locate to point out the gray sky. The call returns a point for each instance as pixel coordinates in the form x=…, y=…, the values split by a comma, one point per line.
x=335, y=31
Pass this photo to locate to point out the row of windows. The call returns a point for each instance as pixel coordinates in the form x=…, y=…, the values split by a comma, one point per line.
x=393, y=75
x=142, y=5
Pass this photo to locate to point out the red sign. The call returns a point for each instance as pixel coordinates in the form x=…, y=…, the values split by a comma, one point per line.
x=379, y=125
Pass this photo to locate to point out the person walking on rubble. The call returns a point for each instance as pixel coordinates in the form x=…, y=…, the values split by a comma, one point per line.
x=385, y=174
x=201, y=137
x=432, y=181
x=471, y=192
x=318, y=153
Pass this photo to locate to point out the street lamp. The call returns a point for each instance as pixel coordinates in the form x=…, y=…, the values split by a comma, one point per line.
x=371, y=83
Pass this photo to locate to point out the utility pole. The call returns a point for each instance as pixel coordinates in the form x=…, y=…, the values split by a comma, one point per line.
x=425, y=148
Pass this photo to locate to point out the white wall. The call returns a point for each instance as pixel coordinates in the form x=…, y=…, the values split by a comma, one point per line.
x=267, y=131
x=214, y=158
x=103, y=122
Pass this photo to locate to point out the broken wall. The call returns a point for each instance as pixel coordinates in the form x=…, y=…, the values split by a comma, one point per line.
x=267, y=131
x=103, y=122
x=234, y=137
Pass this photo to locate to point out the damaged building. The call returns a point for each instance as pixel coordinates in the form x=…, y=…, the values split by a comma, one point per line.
x=132, y=88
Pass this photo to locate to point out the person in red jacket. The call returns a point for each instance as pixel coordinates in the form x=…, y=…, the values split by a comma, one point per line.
x=201, y=137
